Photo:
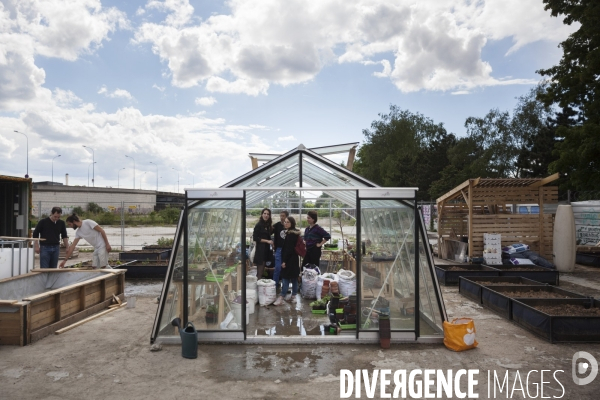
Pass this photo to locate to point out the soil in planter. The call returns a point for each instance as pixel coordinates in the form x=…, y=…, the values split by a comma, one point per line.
x=455, y=268
x=537, y=294
x=488, y=283
x=511, y=268
x=570, y=310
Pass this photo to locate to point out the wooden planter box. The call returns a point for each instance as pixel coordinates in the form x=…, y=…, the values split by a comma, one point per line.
x=145, y=255
x=563, y=328
x=538, y=274
x=31, y=316
x=471, y=286
x=448, y=277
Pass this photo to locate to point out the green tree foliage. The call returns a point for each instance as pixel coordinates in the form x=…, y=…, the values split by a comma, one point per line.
x=575, y=87
x=170, y=215
x=404, y=149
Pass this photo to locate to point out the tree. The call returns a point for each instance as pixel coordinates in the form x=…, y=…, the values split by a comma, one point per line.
x=404, y=149
x=575, y=86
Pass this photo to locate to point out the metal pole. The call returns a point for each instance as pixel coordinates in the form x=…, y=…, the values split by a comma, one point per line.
x=133, y=170
x=26, y=137
x=53, y=168
x=156, y=165
x=122, y=226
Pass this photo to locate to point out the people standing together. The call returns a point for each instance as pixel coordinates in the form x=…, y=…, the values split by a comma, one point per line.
x=283, y=247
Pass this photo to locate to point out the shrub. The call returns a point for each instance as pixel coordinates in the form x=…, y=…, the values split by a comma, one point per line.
x=163, y=241
x=94, y=208
x=169, y=215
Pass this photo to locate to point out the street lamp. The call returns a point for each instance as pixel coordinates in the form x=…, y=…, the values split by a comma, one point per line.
x=26, y=175
x=156, y=174
x=89, y=172
x=118, y=173
x=133, y=170
x=177, y=179
x=53, y=168
x=93, y=168
x=142, y=178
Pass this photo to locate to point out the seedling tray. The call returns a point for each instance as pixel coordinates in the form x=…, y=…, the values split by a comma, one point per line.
x=557, y=328
x=144, y=255
x=319, y=311
x=535, y=273
x=347, y=326
x=447, y=276
x=470, y=287
x=496, y=298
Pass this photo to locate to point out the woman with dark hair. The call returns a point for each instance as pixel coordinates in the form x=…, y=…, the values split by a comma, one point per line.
x=314, y=237
x=262, y=236
x=290, y=264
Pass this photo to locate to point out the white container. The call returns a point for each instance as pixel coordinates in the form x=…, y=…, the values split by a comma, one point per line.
x=564, y=245
x=130, y=302
x=236, y=308
x=251, y=299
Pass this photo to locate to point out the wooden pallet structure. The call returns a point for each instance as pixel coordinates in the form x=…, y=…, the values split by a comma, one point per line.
x=485, y=205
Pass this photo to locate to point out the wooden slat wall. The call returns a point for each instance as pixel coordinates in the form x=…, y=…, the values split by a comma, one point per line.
x=514, y=228
x=11, y=327
x=454, y=220
x=508, y=195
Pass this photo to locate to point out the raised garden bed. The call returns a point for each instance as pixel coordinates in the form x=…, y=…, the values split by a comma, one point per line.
x=157, y=247
x=539, y=274
x=559, y=320
x=500, y=299
x=589, y=259
x=449, y=274
x=471, y=286
x=144, y=255
x=37, y=304
x=145, y=269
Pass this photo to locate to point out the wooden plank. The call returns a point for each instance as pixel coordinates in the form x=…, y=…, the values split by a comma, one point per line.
x=7, y=302
x=64, y=289
x=21, y=238
x=449, y=195
x=83, y=321
x=57, y=306
x=547, y=179
x=36, y=335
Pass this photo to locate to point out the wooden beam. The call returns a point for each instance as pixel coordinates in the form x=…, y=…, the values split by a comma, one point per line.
x=547, y=179
x=83, y=321
x=469, y=200
x=453, y=192
x=351, y=155
x=21, y=238
x=464, y=195
x=254, y=162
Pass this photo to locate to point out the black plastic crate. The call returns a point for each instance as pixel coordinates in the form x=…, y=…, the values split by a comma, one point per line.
x=145, y=255
x=535, y=273
x=495, y=299
x=447, y=277
x=557, y=328
x=470, y=287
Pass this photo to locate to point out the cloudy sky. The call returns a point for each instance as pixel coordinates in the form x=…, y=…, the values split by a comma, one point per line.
x=189, y=88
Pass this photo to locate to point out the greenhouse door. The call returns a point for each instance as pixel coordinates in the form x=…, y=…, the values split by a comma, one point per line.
x=212, y=273
x=388, y=281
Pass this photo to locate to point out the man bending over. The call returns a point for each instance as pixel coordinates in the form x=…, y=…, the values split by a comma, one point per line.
x=94, y=235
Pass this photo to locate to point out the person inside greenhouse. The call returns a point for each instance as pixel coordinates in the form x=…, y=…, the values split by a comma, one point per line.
x=314, y=237
x=262, y=238
x=94, y=235
x=279, y=235
x=290, y=262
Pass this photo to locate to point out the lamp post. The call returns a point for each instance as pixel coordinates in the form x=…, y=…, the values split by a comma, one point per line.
x=133, y=170
x=93, y=168
x=142, y=178
x=177, y=178
x=53, y=168
x=156, y=165
x=89, y=172
x=118, y=173
x=26, y=137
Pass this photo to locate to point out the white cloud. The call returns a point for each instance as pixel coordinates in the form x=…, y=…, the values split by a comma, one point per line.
x=159, y=88
x=206, y=101
x=290, y=138
x=115, y=94
x=429, y=45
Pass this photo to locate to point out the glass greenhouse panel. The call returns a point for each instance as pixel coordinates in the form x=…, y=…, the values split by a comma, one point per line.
x=387, y=269
x=431, y=318
x=173, y=307
x=214, y=264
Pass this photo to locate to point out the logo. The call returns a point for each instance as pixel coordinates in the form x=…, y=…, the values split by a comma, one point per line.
x=581, y=368
x=213, y=194
x=386, y=194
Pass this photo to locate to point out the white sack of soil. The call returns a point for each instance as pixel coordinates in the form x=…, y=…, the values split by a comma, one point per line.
x=267, y=292
x=309, y=284
x=251, y=285
x=346, y=282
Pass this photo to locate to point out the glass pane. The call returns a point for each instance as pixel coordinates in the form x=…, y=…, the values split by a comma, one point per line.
x=387, y=268
x=431, y=320
x=214, y=264
x=173, y=304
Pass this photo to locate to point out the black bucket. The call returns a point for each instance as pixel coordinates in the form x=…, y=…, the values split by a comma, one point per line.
x=189, y=341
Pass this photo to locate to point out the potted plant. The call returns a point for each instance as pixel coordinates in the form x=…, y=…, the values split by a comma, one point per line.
x=212, y=313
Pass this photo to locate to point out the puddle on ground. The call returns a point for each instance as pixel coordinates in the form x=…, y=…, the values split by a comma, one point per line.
x=143, y=287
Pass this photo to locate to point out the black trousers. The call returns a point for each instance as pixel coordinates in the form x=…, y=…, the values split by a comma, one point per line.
x=313, y=256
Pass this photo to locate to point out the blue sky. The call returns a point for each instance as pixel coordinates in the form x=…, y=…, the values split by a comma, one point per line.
x=193, y=87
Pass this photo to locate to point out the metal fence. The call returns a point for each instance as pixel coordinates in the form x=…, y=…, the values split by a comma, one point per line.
x=128, y=225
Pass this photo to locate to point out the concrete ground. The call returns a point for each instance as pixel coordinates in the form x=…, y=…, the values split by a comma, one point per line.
x=110, y=357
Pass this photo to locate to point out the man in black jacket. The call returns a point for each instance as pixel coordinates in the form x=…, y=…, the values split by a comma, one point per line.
x=50, y=229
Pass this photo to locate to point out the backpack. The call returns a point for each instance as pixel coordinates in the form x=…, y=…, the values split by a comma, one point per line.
x=300, y=247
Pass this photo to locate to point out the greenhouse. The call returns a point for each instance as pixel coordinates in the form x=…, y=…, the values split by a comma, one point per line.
x=382, y=259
